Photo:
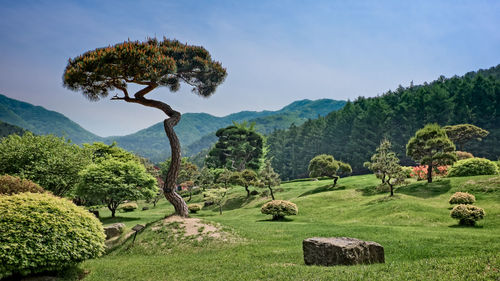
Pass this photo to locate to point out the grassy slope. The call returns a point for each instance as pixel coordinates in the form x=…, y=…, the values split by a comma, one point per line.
x=421, y=241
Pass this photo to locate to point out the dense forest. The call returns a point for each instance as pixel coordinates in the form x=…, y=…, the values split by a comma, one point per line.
x=352, y=133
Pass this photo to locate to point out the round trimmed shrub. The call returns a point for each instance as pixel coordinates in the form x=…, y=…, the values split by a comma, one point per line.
x=279, y=209
x=41, y=232
x=193, y=208
x=129, y=207
x=462, y=198
x=12, y=185
x=467, y=214
x=461, y=155
x=473, y=167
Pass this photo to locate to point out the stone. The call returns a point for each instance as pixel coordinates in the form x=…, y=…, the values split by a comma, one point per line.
x=145, y=208
x=114, y=230
x=341, y=251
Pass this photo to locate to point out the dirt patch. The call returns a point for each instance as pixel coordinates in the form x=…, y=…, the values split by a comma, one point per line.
x=193, y=228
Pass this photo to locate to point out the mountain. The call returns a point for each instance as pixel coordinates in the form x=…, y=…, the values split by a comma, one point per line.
x=41, y=121
x=8, y=129
x=196, y=131
x=352, y=133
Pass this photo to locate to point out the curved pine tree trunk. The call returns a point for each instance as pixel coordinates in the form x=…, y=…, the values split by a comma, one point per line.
x=429, y=173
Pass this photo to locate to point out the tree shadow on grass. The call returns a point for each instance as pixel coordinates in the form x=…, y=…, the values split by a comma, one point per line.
x=325, y=188
x=116, y=219
x=372, y=190
x=426, y=190
x=285, y=219
x=465, y=226
x=237, y=202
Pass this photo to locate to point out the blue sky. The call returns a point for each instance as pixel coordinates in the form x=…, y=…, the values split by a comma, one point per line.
x=275, y=52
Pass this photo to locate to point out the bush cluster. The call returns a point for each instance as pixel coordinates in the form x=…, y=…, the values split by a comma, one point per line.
x=12, y=185
x=462, y=198
x=279, y=209
x=467, y=214
x=41, y=232
x=473, y=167
x=193, y=208
x=129, y=207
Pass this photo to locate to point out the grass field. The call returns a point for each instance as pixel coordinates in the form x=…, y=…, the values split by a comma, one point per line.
x=421, y=241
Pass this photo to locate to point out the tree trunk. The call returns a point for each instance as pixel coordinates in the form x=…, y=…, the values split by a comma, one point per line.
x=190, y=195
x=248, y=191
x=429, y=173
x=272, y=195
x=220, y=209
x=175, y=199
x=335, y=179
x=383, y=178
x=392, y=190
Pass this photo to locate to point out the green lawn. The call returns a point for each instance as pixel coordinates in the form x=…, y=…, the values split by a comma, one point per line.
x=421, y=241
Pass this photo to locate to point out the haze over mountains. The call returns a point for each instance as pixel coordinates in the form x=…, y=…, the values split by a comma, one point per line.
x=196, y=131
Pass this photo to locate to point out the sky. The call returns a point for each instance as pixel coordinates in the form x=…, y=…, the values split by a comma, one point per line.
x=275, y=52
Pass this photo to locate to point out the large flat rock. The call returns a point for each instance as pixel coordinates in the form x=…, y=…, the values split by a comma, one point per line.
x=114, y=230
x=341, y=251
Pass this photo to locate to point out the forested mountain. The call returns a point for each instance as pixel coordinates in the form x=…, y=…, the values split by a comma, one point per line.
x=42, y=121
x=8, y=129
x=352, y=133
x=196, y=131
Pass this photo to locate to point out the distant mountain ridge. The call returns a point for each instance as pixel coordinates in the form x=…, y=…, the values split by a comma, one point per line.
x=195, y=130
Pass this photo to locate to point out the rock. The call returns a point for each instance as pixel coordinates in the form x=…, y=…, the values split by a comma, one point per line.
x=341, y=251
x=113, y=230
x=145, y=208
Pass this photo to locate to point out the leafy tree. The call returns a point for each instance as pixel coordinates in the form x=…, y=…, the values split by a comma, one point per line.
x=245, y=178
x=239, y=147
x=381, y=159
x=463, y=133
x=223, y=176
x=49, y=161
x=149, y=64
x=431, y=146
x=324, y=165
x=112, y=181
x=189, y=186
x=101, y=151
x=217, y=196
x=206, y=178
x=269, y=177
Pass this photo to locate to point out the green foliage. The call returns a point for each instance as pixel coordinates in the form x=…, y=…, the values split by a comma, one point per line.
x=461, y=155
x=206, y=178
x=187, y=171
x=194, y=208
x=217, y=196
x=8, y=129
x=223, y=176
x=473, y=167
x=323, y=166
x=245, y=178
x=113, y=181
x=279, y=209
x=345, y=169
x=42, y=232
x=129, y=207
x=462, y=198
x=269, y=178
x=431, y=146
x=239, y=147
x=354, y=132
x=12, y=185
x=467, y=214
x=49, y=161
x=463, y=133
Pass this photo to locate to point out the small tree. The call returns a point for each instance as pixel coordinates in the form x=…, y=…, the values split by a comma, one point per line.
x=149, y=64
x=431, y=146
x=464, y=133
x=325, y=165
x=269, y=177
x=245, y=178
x=217, y=196
x=223, y=177
x=206, y=178
x=189, y=186
x=113, y=181
x=385, y=165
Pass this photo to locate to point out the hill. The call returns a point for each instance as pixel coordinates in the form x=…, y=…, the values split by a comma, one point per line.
x=352, y=133
x=421, y=241
x=42, y=121
x=196, y=131
x=8, y=129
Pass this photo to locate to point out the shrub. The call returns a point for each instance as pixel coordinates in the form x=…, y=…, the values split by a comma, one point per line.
x=12, y=185
x=461, y=155
x=129, y=207
x=42, y=232
x=279, y=209
x=193, y=208
x=467, y=214
x=407, y=170
x=473, y=167
x=462, y=198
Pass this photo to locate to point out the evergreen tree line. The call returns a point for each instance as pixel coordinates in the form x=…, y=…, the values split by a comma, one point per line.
x=354, y=132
